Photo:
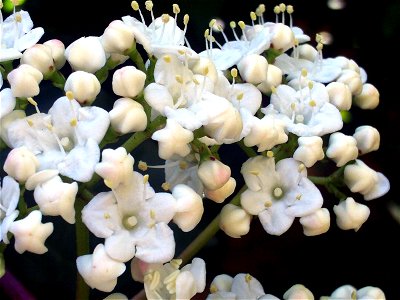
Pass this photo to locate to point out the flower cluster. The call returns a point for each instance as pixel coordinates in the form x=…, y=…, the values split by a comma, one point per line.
x=268, y=90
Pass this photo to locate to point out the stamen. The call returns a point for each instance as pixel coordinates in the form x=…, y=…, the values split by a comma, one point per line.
x=256, y=173
x=206, y=34
x=152, y=214
x=268, y=203
x=240, y=96
x=277, y=11
x=234, y=74
x=232, y=24
x=60, y=146
x=185, y=22
x=135, y=7
x=290, y=11
x=282, y=8
x=34, y=103
x=171, y=277
x=155, y=280
x=248, y=278
x=183, y=165
x=142, y=166
x=166, y=186
x=109, y=183
x=301, y=168
x=298, y=197
x=221, y=29
x=176, y=263
x=165, y=20
x=179, y=79
x=270, y=154
x=242, y=26
x=253, y=17
x=146, y=178
x=260, y=13
x=176, y=10
x=149, y=7
x=106, y=216
x=73, y=122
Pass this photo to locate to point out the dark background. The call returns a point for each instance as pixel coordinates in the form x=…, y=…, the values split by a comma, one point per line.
x=365, y=32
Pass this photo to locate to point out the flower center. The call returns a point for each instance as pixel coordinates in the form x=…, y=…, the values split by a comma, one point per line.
x=277, y=193
x=129, y=222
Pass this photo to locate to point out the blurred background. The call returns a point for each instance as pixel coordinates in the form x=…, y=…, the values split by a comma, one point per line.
x=365, y=32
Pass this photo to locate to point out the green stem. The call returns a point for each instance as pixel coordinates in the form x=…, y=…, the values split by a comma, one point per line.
x=202, y=239
x=23, y=209
x=248, y=150
x=57, y=79
x=135, y=56
x=82, y=248
x=3, y=145
x=320, y=180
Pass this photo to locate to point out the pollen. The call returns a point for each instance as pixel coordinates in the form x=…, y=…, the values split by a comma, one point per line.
x=135, y=5
x=304, y=72
x=242, y=25
x=253, y=16
x=176, y=9
x=146, y=178
x=240, y=96
x=73, y=122
x=310, y=85
x=70, y=95
x=282, y=7
x=165, y=18
x=232, y=24
x=186, y=19
x=167, y=59
x=312, y=103
x=234, y=72
x=142, y=166
x=270, y=154
x=166, y=186
x=289, y=9
x=248, y=277
x=149, y=5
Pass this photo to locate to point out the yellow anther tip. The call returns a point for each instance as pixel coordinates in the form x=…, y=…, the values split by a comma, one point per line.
x=282, y=7
x=149, y=5
x=304, y=72
x=31, y=101
x=167, y=58
x=234, y=72
x=253, y=16
x=277, y=10
x=175, y=8
x=232, y=24
x=186, y=19
x=70, y=95
x=273, y=89
x=290, y=9
x=242, y=25
x=248, y=278
x=240, y=96
x=108, y=183
x=146, y=178
x=142, y=165
x=165, y=18
x=73, y=122
x=270, y=154
x=166, y=186
x=135, y=5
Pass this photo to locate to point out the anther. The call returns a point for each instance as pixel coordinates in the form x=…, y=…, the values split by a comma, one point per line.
x=142, y=166
x=165, y=18
x=248, y=277
x=213, y=288
x=166, y=186
x=70, y=95
x=146, y=178
x=176, y=9
x=167, y=59
x=301, y=167
x=179, y=79
x=73, y=122
x=135, y=5
x=270, y=154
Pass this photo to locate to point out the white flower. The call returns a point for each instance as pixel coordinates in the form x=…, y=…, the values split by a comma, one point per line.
x=117, y=37
x=342, y=148
x=316, y=223
x=298, y=291
x=84, y=86
x=168, y=281
x=18, y=35
x=344, y=292
x=24, y=81
x=30, y=234
x=128, y=81
x=234, y=221
x=56, y=198
x=362, y=179
x=368, y=98
x=21, y=163
x=86, y=54
x=127, y=116
x=133, y=219
x=66, y=138
x=213, y=174
x=278, y=194
x=309, y=151
x=57, y=52
x=39, y=56
x=9, y=197
x=350, y=214
x=306, y=112
x=189, y=207
x=173, y=139
x=370, y=293
x=368, y=139
x=99, y=270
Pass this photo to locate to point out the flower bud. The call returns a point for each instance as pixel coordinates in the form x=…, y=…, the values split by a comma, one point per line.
x=24, y=81
x=56, y=198
x=253, y=68
x=316, y=223
x=368, y=138
x=370, y=292
x=339, y=95
x=309, y=150
x=57, y=52
x=86, y=54
x=360, y=178
x=84, y=86
x=222, y=282
x=128, y=115
x=21, y=163
x=306, y=51
x=368, y=98
x=350, y=214
x=219, y=195
x=39, y=56
x=205, y=65
x=342, y=148
x=353, y=80
x=189, y=207
x=128, y=82
x=298, y=291
x=274, y=78
x=213, y=174
x=283, y=37
x=234, y=221
x=117, y=37
x=344, y=292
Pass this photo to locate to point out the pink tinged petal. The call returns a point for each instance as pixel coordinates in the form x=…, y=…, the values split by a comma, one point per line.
x=120, y=246
x=99, y=270
x=275, y=220
x=185, y=285
x=157, y=246
x=9, y=195
x=7, y=101
x=247, y=287
x=303, y=200
x=198, y=269
x=379, y=189
x=255, y=202
x=30, y=234
x=162, y=207
x=101, y=215
x=29, y=39
x=80, y=162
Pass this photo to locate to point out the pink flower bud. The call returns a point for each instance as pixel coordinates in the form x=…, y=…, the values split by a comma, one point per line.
x=21, y=164
x=213, y=174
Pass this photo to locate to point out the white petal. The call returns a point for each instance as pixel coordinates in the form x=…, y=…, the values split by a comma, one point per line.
x=120, y=246
x=29, y=39
x=275, y=220
x=246, y=287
